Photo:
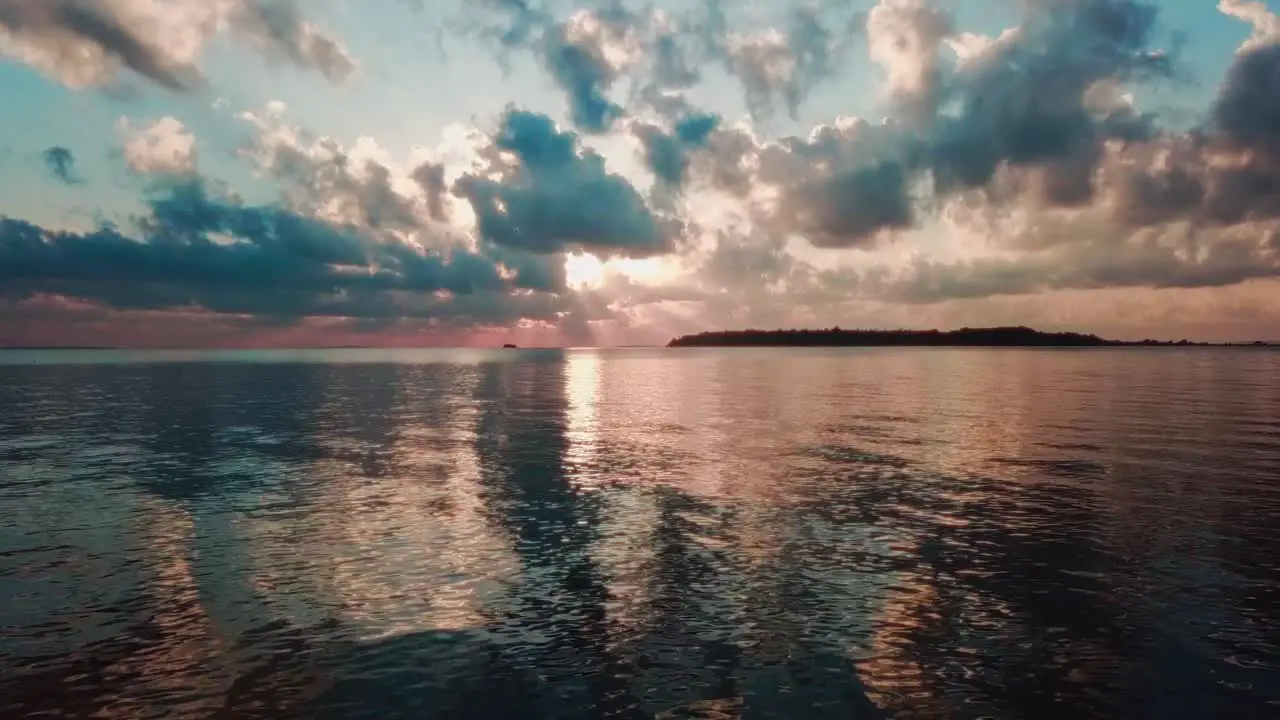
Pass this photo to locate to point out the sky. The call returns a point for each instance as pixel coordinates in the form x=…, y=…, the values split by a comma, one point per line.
x=258, y=173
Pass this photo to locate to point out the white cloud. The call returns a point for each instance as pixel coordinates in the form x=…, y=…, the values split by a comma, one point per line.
x=1266, y=24
x=904, y=37
x=163, y=147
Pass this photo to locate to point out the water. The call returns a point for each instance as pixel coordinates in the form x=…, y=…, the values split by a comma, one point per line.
x=917, y=533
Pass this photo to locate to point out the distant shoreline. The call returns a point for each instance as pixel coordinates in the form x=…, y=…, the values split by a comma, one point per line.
x=964, y=337
x=832, y=337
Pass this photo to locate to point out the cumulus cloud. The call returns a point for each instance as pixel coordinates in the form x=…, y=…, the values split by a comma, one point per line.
x=61, y=164
x=1266, y=24
x=905, y=38
x=1224, y=174
x=585, y=54
x=1166, y=258
x=589, y=51
x=666, y=152
x=198, y=248
x=162, y=147
x=1247, y=112
x=1023, y=154
x=359, y=186
x=277, y=28
x=322, y=176
x=84, y=43
x=430, y=177
x=543, y=193
x=779, y=66
x=1036, y=114
x=1029, y=103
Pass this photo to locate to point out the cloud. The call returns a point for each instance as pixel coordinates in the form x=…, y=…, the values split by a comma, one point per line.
x=840, y=187
x=358, y=186
x=1026, y=101
x=585, y=54
x=1224, y=174
x=1023, y=156
x=588, y=52
x=905, y=38
x=162, y=147
x=1033, y=103
x=544, y=194
x=84, y=43
x=849, y=207
x=1247, y=111
x=275, y=27
x=1266, y=25
x=353, y=187
x=197, y=248
x=666, y=152
x=430, y=177
x=1164, y=258
x=62, y=164
x=779, y=66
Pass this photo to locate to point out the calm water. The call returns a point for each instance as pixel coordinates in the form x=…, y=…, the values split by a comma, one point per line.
x=699, y=533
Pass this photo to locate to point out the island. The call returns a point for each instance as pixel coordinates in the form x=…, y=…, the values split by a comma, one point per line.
x=1019, y=336
x=509, y=346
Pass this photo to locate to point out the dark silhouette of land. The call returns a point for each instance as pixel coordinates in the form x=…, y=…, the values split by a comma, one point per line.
x=964, y=337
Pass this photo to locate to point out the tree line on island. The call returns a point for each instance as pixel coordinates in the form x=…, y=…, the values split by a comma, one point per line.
x=1019, y=336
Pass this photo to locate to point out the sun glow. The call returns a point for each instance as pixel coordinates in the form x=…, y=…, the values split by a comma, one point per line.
x=582, y=271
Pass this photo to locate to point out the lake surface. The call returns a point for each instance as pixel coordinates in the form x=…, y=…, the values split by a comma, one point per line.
x=713, y=533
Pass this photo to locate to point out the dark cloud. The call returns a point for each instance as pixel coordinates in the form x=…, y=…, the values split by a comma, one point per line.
x=1033, y=121
x=524, y=21
x=1026, y=103
x=529, y=270
x=581, y=70
x=757, y=262
x=430, y=177
x=62, y=165
x=1247, y=112
x=196, y=249
x=774, y=68
x=1157, y=196
x=671, y=71
x=838, y=188
x=1149, y=260
x=1225, y=174
x=84, y=42
x=556, y=197
x=277, y=27
x=849, y=208
x=581, y=53
x=54, y=23
x=1243, y=194
x=666, y=152
x=573, y=51
x=672, y=67
x=777, y=67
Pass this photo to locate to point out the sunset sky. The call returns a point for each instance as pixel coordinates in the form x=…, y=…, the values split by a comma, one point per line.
x=470, y=172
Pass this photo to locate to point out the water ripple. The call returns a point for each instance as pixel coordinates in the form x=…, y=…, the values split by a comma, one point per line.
x=712, y=534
